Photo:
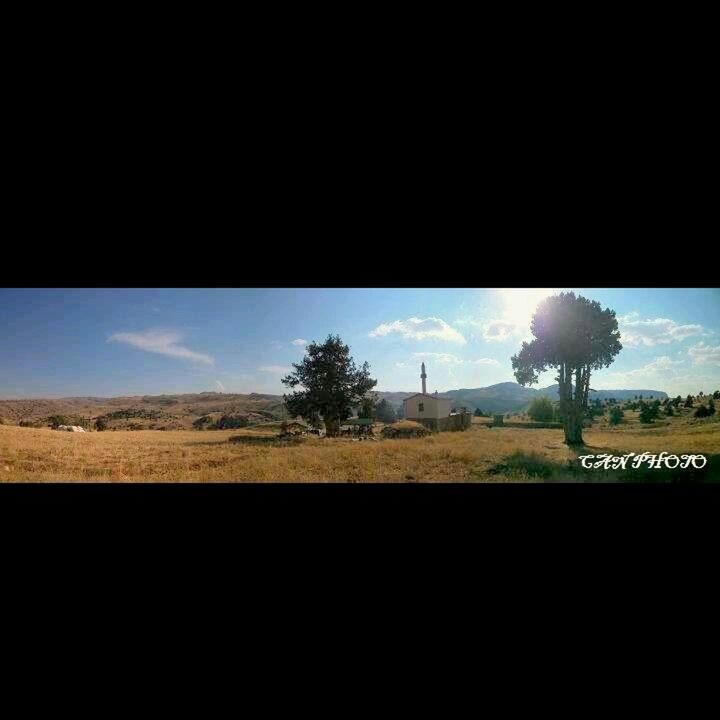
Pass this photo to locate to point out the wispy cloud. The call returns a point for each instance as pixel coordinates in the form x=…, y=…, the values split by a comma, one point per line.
x=703, y=354
x=420, y=329
x=450, y=359
x=299, y=342
x=162, y=342
x=275, y=369
x=439, y=357
x=659, y=331
x=220, y=386
x=499, y=330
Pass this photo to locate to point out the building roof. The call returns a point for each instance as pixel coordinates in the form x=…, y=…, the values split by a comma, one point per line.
x=427, y=395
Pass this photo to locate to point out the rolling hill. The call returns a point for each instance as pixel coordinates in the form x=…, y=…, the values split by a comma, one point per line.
x=185, y=411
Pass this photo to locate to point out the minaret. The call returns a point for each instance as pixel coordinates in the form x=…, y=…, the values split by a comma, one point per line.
x=423, y=376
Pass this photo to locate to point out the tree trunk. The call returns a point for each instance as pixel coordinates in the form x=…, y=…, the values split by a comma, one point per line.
x=572, y=424
x=332, y=427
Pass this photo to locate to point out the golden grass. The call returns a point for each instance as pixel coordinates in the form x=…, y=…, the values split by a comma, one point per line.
x=40, y=455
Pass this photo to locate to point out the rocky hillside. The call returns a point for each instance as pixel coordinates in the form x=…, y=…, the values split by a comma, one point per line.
x=147, y=412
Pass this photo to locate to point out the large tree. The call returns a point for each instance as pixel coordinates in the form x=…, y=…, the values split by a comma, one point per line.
x=331, y=384
x=574, y=335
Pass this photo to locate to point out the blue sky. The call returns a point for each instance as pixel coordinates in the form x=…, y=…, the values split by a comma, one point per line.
x=109, y=342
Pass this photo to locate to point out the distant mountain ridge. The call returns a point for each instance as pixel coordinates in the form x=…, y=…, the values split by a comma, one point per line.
x=512, y=397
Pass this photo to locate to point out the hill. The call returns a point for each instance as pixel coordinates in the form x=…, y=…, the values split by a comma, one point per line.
x=146, y=412
x=511, y=397
x=185, y=411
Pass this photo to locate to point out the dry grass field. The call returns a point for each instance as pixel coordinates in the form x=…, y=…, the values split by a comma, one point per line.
x=481, y=454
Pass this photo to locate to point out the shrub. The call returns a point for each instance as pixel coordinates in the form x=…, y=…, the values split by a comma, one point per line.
x=669, y=410
x=100, y=424
x=702, y=412
x=711, y=407
x=616, y=416
x=689, y=401
x=648, y=413
x=541, y=409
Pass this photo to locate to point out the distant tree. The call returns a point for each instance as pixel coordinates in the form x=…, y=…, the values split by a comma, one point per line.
x=332, y=384
x=716, y=395
x=700, y=394
x=711, y=407
x=479, y=413
x=677, y=401
x=635, y=397
x=616, y=416
x=367, y=407
x=702, y=412
x=100, y=424
x=640, y=397
x=689, y=401
x=648, y=413
x=574, y=335
x=541, y=409
x=385, y=412
x=669, y=410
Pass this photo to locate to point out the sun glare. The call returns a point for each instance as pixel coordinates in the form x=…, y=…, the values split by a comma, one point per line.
x=519, y=304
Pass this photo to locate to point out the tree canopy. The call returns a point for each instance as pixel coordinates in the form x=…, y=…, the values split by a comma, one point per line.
x=575, y=336
x=329, y=384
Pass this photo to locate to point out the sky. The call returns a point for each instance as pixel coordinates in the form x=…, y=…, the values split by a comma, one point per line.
x=112, y=342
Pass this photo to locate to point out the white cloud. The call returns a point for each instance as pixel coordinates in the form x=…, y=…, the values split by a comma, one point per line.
x=662, y=368
x=221, y=387
x=277, y=345
x=499, y=330
x=275, y=369
x=659, y=331
x=703, y=354
x=299, y=342
x=439, y=357
x=420, y=329
x=450, y=359
x=401, y=365
x=162, y=342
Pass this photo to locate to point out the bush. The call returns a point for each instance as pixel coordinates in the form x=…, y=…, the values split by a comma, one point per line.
x=541, y=409
x=711, y=407
x=702, y=412
x=649, y=413
x=100, y=425
x=616, y=416
x=669, y=410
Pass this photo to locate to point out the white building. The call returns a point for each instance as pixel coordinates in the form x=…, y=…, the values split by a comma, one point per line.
x=426, y=407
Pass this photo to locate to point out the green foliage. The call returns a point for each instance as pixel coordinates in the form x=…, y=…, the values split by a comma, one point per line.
x=332, y=384
x=689, y=401
x=575, y=336
x=541, y=409
x=385, y=412
x=367, y=407
x=711, y=407
x=54, y=421
x=229, y=422
x=669, y=410
x=716, y=395
x=479, y=413
x=649, y=412
x=702, y=412
x=616, y=416
x=100, y=424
